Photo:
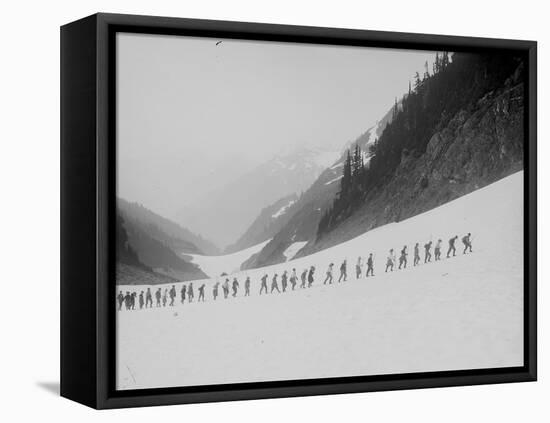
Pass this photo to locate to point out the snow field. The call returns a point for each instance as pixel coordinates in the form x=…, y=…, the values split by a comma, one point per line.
x=459, y=313
x=293, y=249
x=229, y=263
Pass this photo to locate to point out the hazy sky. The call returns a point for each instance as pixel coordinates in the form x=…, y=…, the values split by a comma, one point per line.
x=193, y=115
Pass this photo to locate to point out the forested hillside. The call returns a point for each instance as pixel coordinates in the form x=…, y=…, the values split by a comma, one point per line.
x=175, y=236
x=459, y=128
x=130, y=270
x=158, y=255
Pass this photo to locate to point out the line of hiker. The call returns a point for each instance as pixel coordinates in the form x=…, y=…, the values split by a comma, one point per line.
x=391, y=260
x=145, y=298
x=305, y=279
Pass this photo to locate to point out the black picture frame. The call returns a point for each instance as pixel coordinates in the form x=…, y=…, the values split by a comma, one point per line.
x=88, y=211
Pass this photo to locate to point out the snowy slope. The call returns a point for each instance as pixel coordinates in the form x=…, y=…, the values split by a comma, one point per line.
x=334, y=180
x=229, y=263
x=283, y=209
x=463, y=312
x=291, y=251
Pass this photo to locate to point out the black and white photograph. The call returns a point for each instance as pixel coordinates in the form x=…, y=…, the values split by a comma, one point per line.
x=275, y=211
x=289, y=211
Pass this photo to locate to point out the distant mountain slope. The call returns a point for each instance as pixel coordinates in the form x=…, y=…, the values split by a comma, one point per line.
x=225, y=214
x=132, y=275
x=130, y=270
x=125, y=253
x=178, y=238
x=304, y=214
x=270, y=221
x=159, y=256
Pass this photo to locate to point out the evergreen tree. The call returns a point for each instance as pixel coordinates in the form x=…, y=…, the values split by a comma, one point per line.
x=417, y=81
x=345, y=185
x=454, y=85
x=436, y=63
x=357, y=161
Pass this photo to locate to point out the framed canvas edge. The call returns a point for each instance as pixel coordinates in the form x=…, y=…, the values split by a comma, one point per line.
x=104, y=335
x=78, y=220
x=259, y=392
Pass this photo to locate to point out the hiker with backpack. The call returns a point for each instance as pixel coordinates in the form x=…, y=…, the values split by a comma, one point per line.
x=303, y=278
x=247, y=287
x=310, y=278
x=183, y=292
x=390, y=262
x=358, y=267
x=427, y=252
x=329, y=274
x=172, y=295
x=343, y=271
x=158, y=294
x=226, y=289
x=370, y=266
x=120, y=299
x=274, y=285
x=235, y=287
x=403, y=258
x=293, y=279
x=466, y=240
x=264, y=284
x=190, y=293
x=437, y=250
x=201, y=293
x=416, y=254
x=284, y=279
x=127, y=300
x=452, y=247
x=148, y=298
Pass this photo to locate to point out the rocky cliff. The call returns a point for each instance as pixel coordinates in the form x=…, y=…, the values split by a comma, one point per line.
x=477, y=147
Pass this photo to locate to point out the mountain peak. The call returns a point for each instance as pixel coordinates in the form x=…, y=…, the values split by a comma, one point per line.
x=225, y=214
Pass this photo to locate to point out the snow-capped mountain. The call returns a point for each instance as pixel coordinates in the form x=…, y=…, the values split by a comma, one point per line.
x=302, y=217
x=224, y=215
x=270, y=221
